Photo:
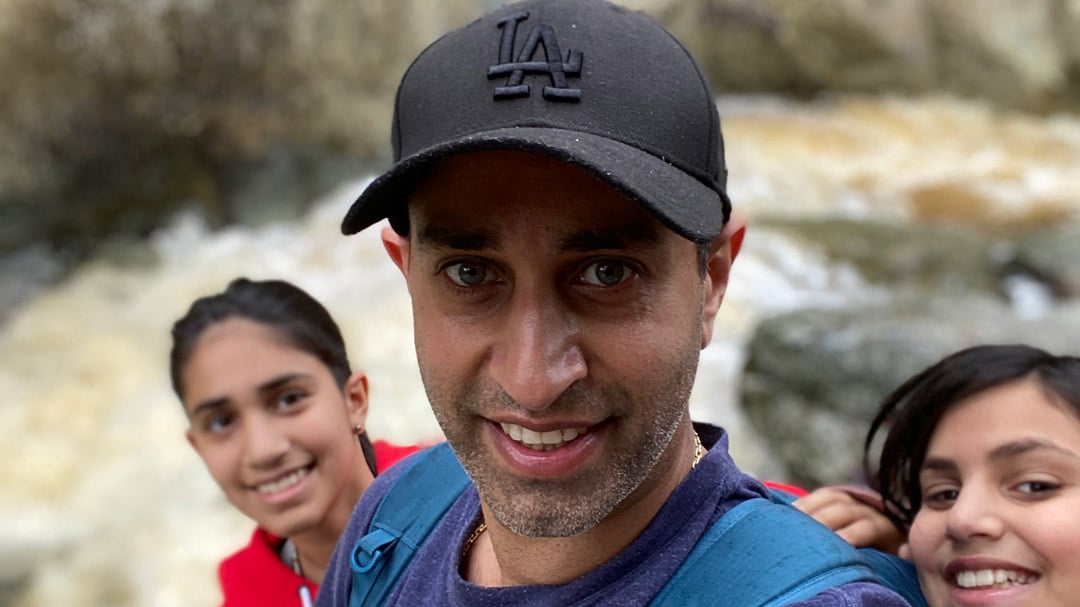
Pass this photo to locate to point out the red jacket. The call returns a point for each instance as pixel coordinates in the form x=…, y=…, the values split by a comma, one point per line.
x=254, y=576
x=791, y=489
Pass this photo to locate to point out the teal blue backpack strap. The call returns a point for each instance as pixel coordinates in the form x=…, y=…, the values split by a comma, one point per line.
x=409, y=510
x=895, y=573
x=763, y=554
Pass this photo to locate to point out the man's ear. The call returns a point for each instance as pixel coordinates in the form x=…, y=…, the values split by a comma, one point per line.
x=737, y=237
x=722, y=254
x=397, y=247
x=356, y=399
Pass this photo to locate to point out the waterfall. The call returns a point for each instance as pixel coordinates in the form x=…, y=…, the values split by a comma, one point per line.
x=103, y=502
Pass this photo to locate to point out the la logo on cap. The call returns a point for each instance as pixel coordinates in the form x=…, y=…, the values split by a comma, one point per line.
x=552, y=65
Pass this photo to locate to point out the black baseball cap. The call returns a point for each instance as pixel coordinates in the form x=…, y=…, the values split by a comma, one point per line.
x=588, y=82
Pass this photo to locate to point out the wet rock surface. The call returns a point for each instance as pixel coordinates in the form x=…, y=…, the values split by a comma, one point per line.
x=815, y=377
x=123, y=113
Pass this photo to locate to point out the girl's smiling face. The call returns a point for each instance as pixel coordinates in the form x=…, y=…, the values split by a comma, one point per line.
x=1000, y=517
x=275, y=429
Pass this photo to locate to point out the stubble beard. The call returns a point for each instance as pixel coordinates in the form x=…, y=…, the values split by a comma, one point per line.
x=645, y=422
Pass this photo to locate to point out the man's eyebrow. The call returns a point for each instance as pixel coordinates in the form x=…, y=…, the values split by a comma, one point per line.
x=434, y=235
x=625, y=236
x=1027, y=445
x=621, y=237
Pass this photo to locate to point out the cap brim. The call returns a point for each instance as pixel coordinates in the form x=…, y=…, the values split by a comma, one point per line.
x=679, y=200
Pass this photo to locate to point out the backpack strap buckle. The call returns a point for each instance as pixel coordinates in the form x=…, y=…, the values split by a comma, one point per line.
x=370, y=549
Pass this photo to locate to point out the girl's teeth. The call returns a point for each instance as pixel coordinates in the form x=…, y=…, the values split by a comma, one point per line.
x=992, y=578
x=541, y=441
x=284, y=482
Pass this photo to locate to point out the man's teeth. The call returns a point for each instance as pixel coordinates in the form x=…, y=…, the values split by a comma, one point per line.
x=541, y=441
x=284, y=482
x=993, y=578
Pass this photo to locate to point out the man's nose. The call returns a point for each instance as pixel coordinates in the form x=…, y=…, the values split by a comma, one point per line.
x=538, y=354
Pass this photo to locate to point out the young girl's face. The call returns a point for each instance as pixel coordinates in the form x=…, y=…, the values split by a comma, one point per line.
x=1000, y=517
x=274, y=428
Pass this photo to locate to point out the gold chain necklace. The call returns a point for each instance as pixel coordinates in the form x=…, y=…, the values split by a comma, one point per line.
x=699, y=452
x=480, y=529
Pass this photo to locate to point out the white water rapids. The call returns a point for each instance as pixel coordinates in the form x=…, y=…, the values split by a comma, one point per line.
x=103, y=502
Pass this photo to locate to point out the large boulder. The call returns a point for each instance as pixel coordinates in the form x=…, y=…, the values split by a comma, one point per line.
x=813, y=379
x=115, y=115
x=903, y=256
x=1019, y=53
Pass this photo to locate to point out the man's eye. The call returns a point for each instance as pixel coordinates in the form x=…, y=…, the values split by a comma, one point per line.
x=606, y=273
x=467, y=274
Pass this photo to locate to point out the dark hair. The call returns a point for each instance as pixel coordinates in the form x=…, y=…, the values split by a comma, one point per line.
x=911, y=412
x=288, y=309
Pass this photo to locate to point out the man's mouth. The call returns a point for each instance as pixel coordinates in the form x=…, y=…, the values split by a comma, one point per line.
x=284, y=482
x=993, y=578
x=542, y=441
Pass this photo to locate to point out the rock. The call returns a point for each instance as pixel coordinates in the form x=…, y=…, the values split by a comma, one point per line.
x=903, y=256
x=119, y=114
x=1013, y=53
x=1053, y=255
x=813, y=379
x=738, y=44
x=116, y=115
x=1022, y=54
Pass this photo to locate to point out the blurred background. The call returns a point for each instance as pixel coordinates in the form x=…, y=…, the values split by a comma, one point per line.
x=910, y=170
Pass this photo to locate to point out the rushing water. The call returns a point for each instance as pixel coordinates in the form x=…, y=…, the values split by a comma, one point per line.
x=103, y=502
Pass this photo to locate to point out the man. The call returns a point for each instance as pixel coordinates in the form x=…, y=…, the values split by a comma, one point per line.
x=558, y=211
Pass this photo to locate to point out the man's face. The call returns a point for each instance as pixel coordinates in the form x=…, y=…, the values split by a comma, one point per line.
x=558, y=327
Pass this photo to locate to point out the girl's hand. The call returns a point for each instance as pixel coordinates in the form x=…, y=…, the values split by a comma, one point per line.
x=855, y=514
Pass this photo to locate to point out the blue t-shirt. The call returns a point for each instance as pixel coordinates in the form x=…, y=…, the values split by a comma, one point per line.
x=633, y=577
